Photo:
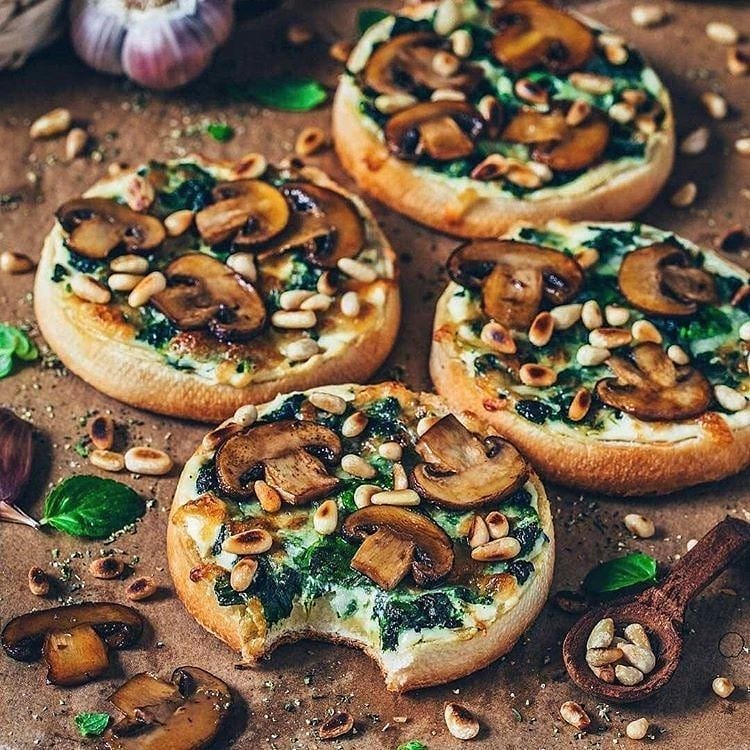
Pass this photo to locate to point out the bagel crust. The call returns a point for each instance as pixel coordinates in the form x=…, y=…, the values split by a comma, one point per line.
x=194, y=375
x=614, y=188
x=350, y=610
x=607, y=451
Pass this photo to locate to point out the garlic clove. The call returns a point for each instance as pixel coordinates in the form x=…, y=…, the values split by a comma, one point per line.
x=97, y=36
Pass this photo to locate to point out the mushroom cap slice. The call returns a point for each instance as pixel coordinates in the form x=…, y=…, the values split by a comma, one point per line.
x=117, y=625
x=433, y=549
x=74, y=656
x=202, y=292
x=462, y=472
x=249, y=211
x=652, y=388
x=579, y=147
x=444, y=130
x=185, y=713
x=515, y=277
x=282, y=452
x=532, y=126
x=534, y=33
x=660, y=279
x=324, y=224
x=404, y=64
x=97, y=226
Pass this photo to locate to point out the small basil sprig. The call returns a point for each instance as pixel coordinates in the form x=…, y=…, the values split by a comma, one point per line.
x=291, y=94
x=91, y=724
x=14, y=343
x=621, y=573
x=91, y=507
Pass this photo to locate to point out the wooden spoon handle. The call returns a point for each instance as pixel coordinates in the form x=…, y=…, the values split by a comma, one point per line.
x=718, y=549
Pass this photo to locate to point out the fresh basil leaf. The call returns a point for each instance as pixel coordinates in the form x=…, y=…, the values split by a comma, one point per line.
x=14, y=343
x=292, y=94
x=91, y=507
x=6, y=364
x=621, y=573
x=91, y=724
x=368, y=17
x=220, y=131
x=412, y=745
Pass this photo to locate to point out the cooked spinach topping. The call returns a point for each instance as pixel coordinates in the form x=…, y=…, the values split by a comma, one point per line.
x=82, y=263
x=59, y=273
x=186, y=187
x=205, y=481
x=521, y=569
x=527, y=533
x=155, y=330
x=384, y=478
x=383, y=417
x=289, y=409
x=533, y=410
x=486, y=362
x=224, y=534
x=327, y=564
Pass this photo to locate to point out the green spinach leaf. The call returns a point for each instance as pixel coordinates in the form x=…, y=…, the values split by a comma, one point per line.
x=91, y=724
x=621, y=573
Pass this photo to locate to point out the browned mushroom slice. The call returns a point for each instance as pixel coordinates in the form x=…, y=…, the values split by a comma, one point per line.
x=532, y=126
x=405, y=64
x=202, y=292
x=652, y=388
x=515, y=277
x=324, y=224
x=660, y=279
x=385, y=558
x=533, y=33
x=433, y=550
x=460, y=471
x=119, y=626
x=280, y=452
x=97, y=226
x=443, y=130
x=74, y=656
x=185, y=713
x=250, y=211
x=579, y=147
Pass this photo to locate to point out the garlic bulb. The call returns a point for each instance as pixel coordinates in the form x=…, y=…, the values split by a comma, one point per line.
x=161, y=44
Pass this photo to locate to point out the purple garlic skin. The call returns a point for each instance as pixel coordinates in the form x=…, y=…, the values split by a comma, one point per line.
x=160, y=44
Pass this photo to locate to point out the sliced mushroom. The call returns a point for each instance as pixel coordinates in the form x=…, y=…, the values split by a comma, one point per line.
x=515, y=277
x=432, y=555
x=532, y=33
x=186, y=712
x=97, y=226
x=117, y=625
x=323, y=224
x=74, y=656
x=250, y=211
x=443, y=130
x=282, y=454
x=202, y=292
x=460, y=471
x=404, y=64
x=651, y=387
x=661, y=279
x=385, y=557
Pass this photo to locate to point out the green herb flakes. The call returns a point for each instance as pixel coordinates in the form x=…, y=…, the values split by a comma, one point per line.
x=91, y=724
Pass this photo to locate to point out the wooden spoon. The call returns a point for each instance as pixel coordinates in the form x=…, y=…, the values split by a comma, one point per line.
x=661, y=611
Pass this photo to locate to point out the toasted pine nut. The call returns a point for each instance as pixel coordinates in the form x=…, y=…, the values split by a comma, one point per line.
x=363, y=494
x=293, y=298
x=461, y=723
x=601, y=634
x=498, y=337
x=101, y=430
x=139, y=193
x=498, y=525
x=145, y=460
x=357, y=466
x=609, y=338
x=637, y=730
x=250, y=542
x=723, y=687
x=150, y=285
x=591, y=356
x=447, y=95
x=636, y=633
x=400, y=480
x=340, y=50
x=448, y=17
x=591, y=314
x=678, y=355
x=389, y=104
x=130, y=264
x=107, y=460
x=106, y=567
x=591, y=83
x=695, y=142
x=350, y=304
x=327, y=402
x=318, y=302
x=638, y=657
x=391, y=450
x=326, y=518
x=715, y=104
x=616, y=54
x=530, y=91
x=729, y=399
x=628, y=675
x=621, y=112
x=492, y=111
x=541, y=329
x=645, y=330
x=123, y=282
x=462, y=43
x=690, y=544
x=268, y=498
x=246, y=415
x=684, y=196
x=599, y=657
x=587, y=257
x=310, y=140
x=566, y=316
x=294, y=319
x=326, y=284
x=478, y=534
x=425, y=423
x=354, y=424
x=580, y=405
x=219, y=435
x=141, y=588
x=341, y=723
x=75, y=143
x=634, y=97
x=87, y=288
x=298, y=34
x=445, y=63
x=639, y=525
x=578, y=112
x=251, y=165
x=244, y=265
x=738, y=61
x=179, y=222
x=722, y=32
x=647, y=14
x=52, y=123
x=243, y=573
x=302, y=349
x=38, y=581
x=605, y=673
x=15, y=263
x=536, y=375
x=498, y=549
x=616, y=315
x=356, y=270
x=573, y=714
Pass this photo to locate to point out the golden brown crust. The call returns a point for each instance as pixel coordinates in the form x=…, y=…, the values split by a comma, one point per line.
x=621, y=468
x=428, y=663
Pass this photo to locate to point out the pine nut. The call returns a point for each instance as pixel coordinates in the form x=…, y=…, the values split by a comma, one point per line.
x=497, y=524
x=356, y=270
x=354, y=424
x=141, y=588
x=340, y=50
x=696, y=142
x=363, y=494
x=591, y=314
x=573, y=714
x=566, y=316
x=251, y=165
x=647, y=15
x=219, y=435
x=129, y=264
x=492, y=111
x=294, y=319
x=106, y=568
x=341, y=723
x=715, y=104
x=587, y=257
x=179, y=222
x=243, y=573
x=541, y=329
x=350, y=304
x=327, y=402
x=107, y=460
x=244, y=265
x=123, y=282
x=745, y=331
x=311, y=140
x=268, y=498
x=609, y=338
x=101, y=430
x=640, y=658
x=301, y=350
x=425, y=423
x=326, y=518
x=639, y=525
x=462, y=42
x=445, y=63
x=580, y=405
x=139, y=193
x=722, y=33
x=637, y=730
x=615, y=315
x=15, y=263
x=357, y=466
x=723, y=687
x=326, y=284
x=298, y=34
x=529, y=91
x=389, y=104
x=535, y=375
x=616, y=54
x=293, y=298
x=678, y=355
x=447, y=95
x=605, y=673
x=448, y=17
x=318, y=302
x=738, y=61
x=146, y=460
x=498, y=337
x=461, y=723
x=742, y=146
x=628, y=675
x=591, y=83
x=89, y=289
x=75, y=143
x=729, y=399
x=636, y=634
x=400, y=478
x=396, y=497
x=645, y=330
x=690, y=544
x=578, y=112
x=601, y=634
x=52, y=123
x=150, y=285
x=621, y=112
x=478, y=534
x=634, y=97
x=38, y=581
x=600, y=657
x=246, y=415
x=591, y=356
x=251, y=542
x=498, y=549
